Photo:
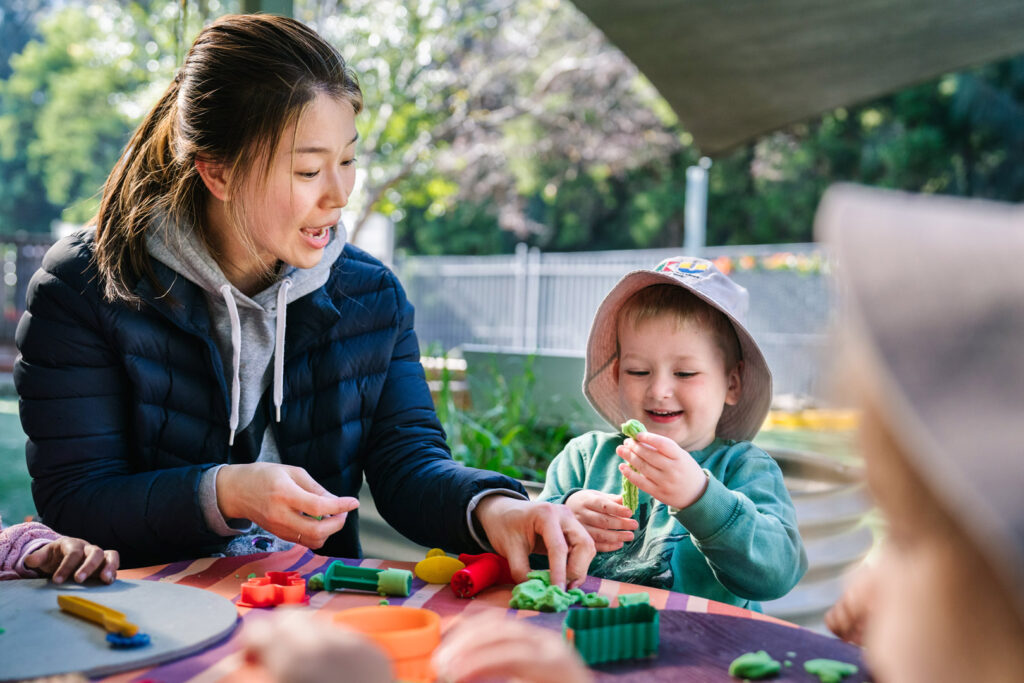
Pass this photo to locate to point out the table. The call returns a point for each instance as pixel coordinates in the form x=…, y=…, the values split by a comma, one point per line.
x=699, y=636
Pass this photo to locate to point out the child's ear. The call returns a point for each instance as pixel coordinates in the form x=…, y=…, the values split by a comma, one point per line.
x=214, y=176
x=734, y=385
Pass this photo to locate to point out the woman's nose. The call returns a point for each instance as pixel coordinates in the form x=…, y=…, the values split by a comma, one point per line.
x=338, y=192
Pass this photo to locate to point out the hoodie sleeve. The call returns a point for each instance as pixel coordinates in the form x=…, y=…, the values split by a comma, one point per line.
x=417, y=486
x=76, y=407
x=745, y=525
x=17, y=542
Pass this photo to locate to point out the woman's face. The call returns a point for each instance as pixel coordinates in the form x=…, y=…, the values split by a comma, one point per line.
x=937, y=614
x=290, y=216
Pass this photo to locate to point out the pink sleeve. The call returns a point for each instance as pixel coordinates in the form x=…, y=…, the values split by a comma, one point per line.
x=16, y=542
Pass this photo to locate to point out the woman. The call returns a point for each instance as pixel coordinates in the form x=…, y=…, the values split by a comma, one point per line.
x=213, y=356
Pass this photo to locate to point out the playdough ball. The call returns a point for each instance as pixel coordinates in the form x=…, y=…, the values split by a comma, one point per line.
x=438, y=568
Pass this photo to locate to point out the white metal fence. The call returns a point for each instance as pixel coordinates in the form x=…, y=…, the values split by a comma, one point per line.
x=545, y=302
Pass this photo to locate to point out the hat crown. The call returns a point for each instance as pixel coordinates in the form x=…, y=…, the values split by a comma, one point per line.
x=703, y=276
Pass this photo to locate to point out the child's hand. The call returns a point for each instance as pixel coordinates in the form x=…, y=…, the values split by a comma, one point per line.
x=849, y=616
x=69, y=556
x=492, y=647
x=292, y=646
x=606, y=519
x=662, y=469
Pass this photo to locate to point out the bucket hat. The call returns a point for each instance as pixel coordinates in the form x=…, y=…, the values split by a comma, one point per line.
x=934, y=291
x=700, y=277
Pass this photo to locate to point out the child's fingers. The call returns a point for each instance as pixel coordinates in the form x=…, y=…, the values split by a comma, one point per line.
x=645, y=460
x=111, y=561
x=637, y=477
x=71, y=557
x=609, y=537
x=662, y=444
x=92, y=561
x=605, y=505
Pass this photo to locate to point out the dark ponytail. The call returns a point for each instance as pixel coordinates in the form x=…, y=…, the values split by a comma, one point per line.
x=244, y=80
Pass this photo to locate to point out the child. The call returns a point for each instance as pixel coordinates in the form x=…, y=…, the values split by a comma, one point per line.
x=30, y=549
x=214, y=360
x=937, y=299
x=714, y=519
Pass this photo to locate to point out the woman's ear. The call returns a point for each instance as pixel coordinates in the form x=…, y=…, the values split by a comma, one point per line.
x=214, y=176
x=734, y=388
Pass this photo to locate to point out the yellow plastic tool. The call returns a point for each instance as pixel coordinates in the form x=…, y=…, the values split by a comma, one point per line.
x=110, y=619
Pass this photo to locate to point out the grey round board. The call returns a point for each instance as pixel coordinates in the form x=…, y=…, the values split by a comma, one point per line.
x=39, y=639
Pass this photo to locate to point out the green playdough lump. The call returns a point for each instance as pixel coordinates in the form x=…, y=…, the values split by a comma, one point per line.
x=630, y=493
x=634, y=599
x=829, y=670
x=754, y=665
x=316, y=582
x=540, y=574
x=538, y=593
x=594, y=600
x=383, y=603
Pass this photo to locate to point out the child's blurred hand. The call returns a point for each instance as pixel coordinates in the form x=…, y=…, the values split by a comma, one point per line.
x=494, y=648
x=606, y=519
x=663, y=469
x=849, y=616
x=292, y=646
x=69, y=557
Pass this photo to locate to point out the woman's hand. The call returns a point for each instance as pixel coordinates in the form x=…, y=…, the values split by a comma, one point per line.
x=282, y=499
x=68, y=556
x=491, y=647
x=663, y=469
x=606, y=519
x=516, y=528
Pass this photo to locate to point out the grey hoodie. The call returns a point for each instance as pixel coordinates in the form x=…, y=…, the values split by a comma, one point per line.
x=249, y=332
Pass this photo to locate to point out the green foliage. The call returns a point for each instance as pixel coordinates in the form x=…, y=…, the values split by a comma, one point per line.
x=507, y=434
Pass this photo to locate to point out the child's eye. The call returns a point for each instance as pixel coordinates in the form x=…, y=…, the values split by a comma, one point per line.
x=637, y=373
x=308, y=174
x=685, y=375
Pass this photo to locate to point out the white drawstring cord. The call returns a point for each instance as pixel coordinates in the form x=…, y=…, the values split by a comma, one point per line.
x=236, y=358
x=282, y=308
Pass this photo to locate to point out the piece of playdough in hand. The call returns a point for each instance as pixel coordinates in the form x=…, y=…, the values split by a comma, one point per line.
x=630, y=493
x=754, y=666
x=829, y=670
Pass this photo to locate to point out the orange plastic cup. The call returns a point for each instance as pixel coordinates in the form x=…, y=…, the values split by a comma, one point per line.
x=408, y=634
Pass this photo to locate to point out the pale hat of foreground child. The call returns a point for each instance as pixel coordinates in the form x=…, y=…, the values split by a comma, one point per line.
x=935, y=290
x=699, y=276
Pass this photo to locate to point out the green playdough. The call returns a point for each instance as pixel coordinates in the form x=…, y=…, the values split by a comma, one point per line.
x=382, y=603
x=538, y=593
x=634, y=599
x=754, y=666
x=316, y=582
x=829, y=670
x=630, y=493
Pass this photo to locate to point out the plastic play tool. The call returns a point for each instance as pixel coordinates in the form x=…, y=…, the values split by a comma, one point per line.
x=409, y=635
x=275, y=588
x=384, y=581
x=627, y=599
x=613, y=634
x=437, y=567
x=481, y=571
x=110, y=619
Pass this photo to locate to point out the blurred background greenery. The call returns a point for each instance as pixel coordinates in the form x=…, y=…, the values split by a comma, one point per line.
x=490, y=122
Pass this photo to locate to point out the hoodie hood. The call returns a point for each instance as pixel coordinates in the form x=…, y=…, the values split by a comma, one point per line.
x=248, y=331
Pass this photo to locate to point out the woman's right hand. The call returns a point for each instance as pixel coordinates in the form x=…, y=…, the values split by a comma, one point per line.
x=282, y=499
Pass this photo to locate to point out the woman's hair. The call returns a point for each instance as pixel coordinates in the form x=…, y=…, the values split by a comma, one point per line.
x=658, y=300
x=245, y=79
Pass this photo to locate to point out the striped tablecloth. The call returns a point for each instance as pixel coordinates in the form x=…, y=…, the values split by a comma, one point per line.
x=224, y=662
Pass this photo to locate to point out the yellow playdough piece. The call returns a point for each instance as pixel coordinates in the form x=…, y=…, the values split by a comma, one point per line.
x=437, y=567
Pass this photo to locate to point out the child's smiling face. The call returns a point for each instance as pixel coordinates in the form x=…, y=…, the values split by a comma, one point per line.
x=672, y=377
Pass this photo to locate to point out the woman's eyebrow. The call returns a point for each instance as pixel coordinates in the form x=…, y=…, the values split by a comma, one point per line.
x=321, y=150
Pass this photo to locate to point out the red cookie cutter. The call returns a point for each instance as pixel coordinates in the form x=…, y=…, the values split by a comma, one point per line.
x=276, y=588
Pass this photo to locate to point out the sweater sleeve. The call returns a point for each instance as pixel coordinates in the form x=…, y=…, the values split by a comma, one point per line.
x=417, y=486
x=17, y=542
x=746, y=528
x=76, y=406
x=567, y=472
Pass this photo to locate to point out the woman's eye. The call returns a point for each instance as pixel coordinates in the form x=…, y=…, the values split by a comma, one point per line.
x=349, y=162
x=308, y=174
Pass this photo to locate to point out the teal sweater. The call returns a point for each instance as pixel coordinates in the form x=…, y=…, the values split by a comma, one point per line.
x=738, y=543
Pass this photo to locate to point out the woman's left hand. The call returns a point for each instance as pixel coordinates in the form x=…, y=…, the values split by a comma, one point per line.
x=516, y=528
